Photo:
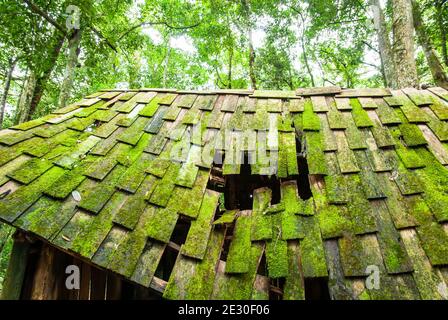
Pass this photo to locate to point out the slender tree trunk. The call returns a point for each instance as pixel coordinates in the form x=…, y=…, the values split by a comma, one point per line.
x=304, y=51
x=442, y=29
x=26, y=95
x=72, y=62
x=229, y=74
x=403, y=45
x=384, y=46
x=166, y=62
x=438, y=74
x=41, y=82
x=12, y=65
x=253, y=79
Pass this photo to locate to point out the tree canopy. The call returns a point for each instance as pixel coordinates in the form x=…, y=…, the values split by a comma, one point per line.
x=53, y=52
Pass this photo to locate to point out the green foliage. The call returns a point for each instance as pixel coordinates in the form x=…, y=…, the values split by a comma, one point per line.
x=198, y=45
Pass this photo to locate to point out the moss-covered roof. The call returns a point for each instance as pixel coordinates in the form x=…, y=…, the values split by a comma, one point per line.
x=99, y=179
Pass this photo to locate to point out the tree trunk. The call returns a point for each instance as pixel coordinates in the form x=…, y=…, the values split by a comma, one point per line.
x=403, y=45
x=72, y=62
x=304, y=52
x=384, y=46
x=12, y=65
x=23, y=107
x=438, y=74
x=34, y=89
x=42, y=80
x=442, y=29
x=253, y=78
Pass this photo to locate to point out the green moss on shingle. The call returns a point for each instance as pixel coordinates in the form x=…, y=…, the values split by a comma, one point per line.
x=276, y=250
x=310, y=120
x=360, y=116
x=238, y=259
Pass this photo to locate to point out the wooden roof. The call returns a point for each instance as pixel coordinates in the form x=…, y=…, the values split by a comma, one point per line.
x=98, y=179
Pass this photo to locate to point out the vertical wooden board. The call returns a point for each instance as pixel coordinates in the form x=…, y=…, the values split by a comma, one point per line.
x=98, y=284
x=329, y=137
x=288, y=154
x=371, y=186
x=261, y=223
x=196, y=243
x=310, y=120
x=15, y=274
x=394, y=254
x=345, y=156
x=428, y=281
x=276, y=250
x=148, y=262
x=359, y=207
x=315, y=153
x=238, y=286
x=339, y=287
x=192, y=279
x=237, y=258
x=84, y=290
x=294, y=283
x=312, y=250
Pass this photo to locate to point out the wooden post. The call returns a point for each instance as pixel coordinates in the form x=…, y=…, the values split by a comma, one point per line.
x=98, y=284
x=84, y=292
x=114, y=285
x=49, y=279
x=12, y=286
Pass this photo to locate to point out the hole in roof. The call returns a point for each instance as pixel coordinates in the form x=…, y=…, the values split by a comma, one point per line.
x=239, y=189
x=303, y=184
x=316, y=289
x=166, y=264
x=181, y=229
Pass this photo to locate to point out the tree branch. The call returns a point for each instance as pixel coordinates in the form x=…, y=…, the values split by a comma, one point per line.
x=164, y=23
x=44, y=15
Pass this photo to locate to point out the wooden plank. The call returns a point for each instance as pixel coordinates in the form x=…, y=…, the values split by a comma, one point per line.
x=15, y=274
x=357, y=253
x=237, y=258
x=319, y=104
x=364, y=92
x=346, y=158
x=84, y=290
x=318, y=91
x=312, y=250
x=294, y=283
x=196, y=243
x=192, y=279
x=98, y=284
x=427, y=279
